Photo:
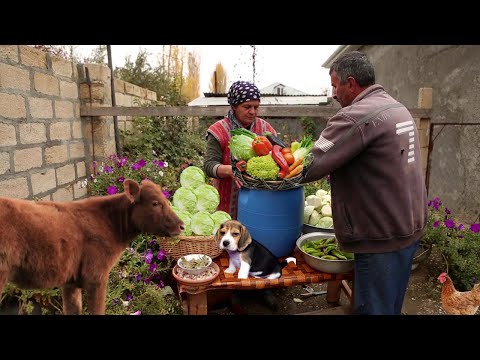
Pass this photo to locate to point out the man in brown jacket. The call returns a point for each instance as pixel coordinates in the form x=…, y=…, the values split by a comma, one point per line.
x=371, y=150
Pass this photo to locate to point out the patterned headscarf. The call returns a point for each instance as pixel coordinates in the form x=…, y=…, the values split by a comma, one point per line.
x=242, y=91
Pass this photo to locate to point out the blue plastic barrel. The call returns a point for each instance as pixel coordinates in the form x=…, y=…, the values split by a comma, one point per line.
x=273, y=218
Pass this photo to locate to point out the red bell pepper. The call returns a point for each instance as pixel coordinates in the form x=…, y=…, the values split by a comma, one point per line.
x=241, y=165
x=261, y=145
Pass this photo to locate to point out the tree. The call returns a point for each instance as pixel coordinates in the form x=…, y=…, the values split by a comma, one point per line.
x=167, y=83
x=218, y=81
x=97, y=56
x=191, y=87
x=61, y=51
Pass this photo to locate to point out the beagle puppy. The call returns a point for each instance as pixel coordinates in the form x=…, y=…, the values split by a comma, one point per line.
x=247, y=254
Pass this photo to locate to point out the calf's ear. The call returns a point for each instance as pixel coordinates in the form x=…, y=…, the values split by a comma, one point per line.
x=132, y=189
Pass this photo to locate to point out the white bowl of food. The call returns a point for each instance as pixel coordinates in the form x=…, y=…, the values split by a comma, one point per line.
x=194, y=264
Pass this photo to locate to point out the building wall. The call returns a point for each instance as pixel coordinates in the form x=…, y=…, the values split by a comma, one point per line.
x=453, y=72
x=46, y=148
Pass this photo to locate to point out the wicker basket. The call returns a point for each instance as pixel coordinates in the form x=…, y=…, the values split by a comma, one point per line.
x=279, y=185
x=183, y=245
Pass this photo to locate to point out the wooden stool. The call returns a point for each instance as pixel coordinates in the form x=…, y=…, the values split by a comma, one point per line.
x=194, y=298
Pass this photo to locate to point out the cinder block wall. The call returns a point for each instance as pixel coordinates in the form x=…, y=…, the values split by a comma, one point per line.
x=46, y=148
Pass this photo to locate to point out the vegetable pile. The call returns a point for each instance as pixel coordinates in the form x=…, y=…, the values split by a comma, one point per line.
x=266, y=157
x=325, y=249
x=318, y=210
x=195, y=203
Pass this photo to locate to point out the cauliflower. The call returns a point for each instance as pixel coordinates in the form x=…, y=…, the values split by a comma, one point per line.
x=262, y=167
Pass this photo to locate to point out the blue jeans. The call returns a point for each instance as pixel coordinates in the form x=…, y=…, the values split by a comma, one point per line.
x=381, y=281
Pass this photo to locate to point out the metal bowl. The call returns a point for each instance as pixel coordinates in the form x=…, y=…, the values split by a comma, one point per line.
x=324, y=265
x=307, y=228
x=422, y=253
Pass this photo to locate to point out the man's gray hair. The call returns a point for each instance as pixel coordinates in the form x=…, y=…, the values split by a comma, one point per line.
x=356, y=65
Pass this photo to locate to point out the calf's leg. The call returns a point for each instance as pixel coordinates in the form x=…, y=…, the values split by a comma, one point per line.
x=72, y=299
x=3, y=280
x=96, y=295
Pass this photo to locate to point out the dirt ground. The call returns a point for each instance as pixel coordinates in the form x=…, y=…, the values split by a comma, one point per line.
x=422, y=297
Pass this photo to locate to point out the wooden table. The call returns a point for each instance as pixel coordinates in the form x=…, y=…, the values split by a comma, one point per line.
x=194, y=298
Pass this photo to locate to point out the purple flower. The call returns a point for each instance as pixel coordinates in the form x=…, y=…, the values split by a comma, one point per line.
x=148, y=256
x=448, y=212
x=115, y=302
x=461, y=227
x=161, y=255
x=153, y=267
x=107, y=170
x=166, y=193
x=138, y=312
x=138, y=277
x=112, y=189
x=159, y=163
x=160, y=284
x=435, y=203
x=475, y=228
x=121, y=179
x=436, y=223
x=449, y=223
x=139, y=164
x=129, y=297
x=122, y=162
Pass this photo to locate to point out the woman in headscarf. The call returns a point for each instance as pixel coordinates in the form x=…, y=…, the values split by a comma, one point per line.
x=244, y=99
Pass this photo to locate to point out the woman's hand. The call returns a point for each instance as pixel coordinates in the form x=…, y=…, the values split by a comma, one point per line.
x=224, y=171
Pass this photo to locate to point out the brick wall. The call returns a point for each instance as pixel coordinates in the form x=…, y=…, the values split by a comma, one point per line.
x=46, y=148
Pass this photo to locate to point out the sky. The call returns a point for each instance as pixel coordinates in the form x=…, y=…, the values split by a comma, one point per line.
x=297, y=66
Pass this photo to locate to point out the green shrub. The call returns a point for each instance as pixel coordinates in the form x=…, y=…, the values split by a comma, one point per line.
x=138, y=282
x=169, y=138
x=311, y=188
x=458, y=243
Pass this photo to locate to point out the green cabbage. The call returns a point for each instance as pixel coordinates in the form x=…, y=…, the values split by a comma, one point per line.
x=219, y=217
x=313, y=200
x=208, y=198
x=187, y=219
x=184, y=199
x=202, y=223
x=325, y=222
x=192, y=177
x=326, y=210
x=314, y=218
x=241, y=147
x=307, y=211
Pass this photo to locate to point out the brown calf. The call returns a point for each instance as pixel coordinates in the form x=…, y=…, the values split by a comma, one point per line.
x=74, y=245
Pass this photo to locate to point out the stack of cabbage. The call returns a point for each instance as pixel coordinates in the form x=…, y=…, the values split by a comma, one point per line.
x=195, y=203
x=318, y=211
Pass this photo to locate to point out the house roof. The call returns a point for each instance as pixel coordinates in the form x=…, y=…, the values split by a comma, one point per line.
x=291, y=96
x=265, y=100
x=287, y=90
x=342, y=49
